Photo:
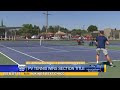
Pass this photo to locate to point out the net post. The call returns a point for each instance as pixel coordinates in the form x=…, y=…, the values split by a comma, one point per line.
x=40, y=41
x=12, y=37
x=9, y=37
x=1, y=38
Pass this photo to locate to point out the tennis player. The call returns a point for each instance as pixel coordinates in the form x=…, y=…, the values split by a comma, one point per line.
x=101, y=42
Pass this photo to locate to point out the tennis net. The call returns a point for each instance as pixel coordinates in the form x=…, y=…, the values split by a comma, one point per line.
x=37, y=42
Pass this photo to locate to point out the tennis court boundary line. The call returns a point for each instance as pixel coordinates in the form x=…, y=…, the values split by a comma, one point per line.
x=54, y=48
x=22, y=53
x=103, y=61
x=9, y=58
x=60, y=51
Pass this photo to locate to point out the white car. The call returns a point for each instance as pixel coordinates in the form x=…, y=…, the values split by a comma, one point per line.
x=66, y=37
x=34, y=37
x=55, y=38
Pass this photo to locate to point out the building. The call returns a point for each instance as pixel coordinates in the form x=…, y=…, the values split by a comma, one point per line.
x=60, y=34
x=4, y=30
x=112, y=34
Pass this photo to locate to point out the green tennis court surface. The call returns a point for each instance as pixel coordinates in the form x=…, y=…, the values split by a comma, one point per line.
x=112, y=72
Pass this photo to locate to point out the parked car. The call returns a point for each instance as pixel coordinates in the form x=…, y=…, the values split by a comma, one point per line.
x=55, y=38
x=34, y=37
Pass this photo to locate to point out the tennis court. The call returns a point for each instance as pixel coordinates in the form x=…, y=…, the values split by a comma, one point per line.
x=18, y=52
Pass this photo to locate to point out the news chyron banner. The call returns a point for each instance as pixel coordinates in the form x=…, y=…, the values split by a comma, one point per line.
x=37, y=68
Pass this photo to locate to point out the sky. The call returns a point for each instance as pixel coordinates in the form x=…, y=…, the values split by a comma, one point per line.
x=67, y=19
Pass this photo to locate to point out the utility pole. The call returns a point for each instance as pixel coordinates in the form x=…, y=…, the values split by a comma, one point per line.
x=2, y=23
x=83, y=27
x=47, y=14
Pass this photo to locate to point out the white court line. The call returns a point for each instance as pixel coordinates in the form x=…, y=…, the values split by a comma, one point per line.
x=103, y=61
x=109, y=50
x=59, y=51
x=82, y=50
x=118, y=51
x=47, y=52
x=9, y=58
x=22, y=53
x=54, y=48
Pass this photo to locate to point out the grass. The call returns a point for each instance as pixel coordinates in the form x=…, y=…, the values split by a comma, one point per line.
x=5, y=61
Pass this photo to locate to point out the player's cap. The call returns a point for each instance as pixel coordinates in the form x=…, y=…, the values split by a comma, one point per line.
x=101, y=32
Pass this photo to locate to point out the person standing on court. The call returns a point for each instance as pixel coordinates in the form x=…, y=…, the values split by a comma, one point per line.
x=79, y=40
x=101, y=42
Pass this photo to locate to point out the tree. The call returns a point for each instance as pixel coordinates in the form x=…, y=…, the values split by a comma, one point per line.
x=51, y=29
x=92, y=28
x=76, y=32
x=43, y=29
x=28, y=30
x=36, y=30
x=65, y=30
x=54, y=29
x=84, y=32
